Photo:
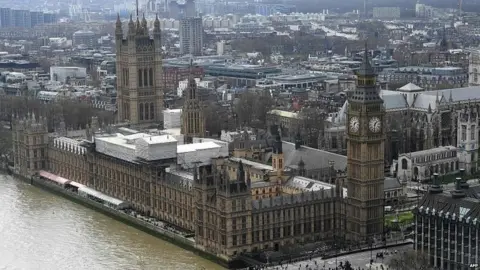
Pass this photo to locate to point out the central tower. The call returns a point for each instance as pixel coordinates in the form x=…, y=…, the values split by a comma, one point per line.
x=365, y=155
x=193, y=119
x=139, y=73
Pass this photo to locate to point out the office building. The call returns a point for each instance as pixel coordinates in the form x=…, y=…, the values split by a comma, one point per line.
x=191, y=36
x=448, y=225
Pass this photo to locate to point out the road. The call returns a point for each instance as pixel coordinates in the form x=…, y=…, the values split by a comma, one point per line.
x=357, y=260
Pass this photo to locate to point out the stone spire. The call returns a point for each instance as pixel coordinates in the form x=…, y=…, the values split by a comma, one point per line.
x=156, y=25
x=118, y=23
x=118, y=28
x=144, y=25
x=131, y=26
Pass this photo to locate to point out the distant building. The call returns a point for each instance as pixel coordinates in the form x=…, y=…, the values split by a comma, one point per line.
x=386, y=12
x=24, y=18
x=6, y=17
x=474, y=68
x=423, y=11
x=87, y=38
x=67, y=74
x=21, y=18
x=191, y=36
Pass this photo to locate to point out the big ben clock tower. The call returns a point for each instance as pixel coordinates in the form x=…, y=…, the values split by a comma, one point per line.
x=365, y=155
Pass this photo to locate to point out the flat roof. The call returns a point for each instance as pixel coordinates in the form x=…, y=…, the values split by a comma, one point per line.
x=308, y=76
x=192, y=147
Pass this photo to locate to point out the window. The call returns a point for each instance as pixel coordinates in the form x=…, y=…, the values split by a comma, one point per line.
x=150, y=76
x=152, y=111
x=464, y=132
x=146, y=111
x=140, y=78
x=404, y=164
x=145, y=77
x=472, y=133
x=140, y=113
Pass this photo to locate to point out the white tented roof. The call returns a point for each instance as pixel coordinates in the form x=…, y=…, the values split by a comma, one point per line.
x=100, y=195
x=138, y=145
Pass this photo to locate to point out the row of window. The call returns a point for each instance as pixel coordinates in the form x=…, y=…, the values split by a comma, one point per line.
x=146, y=111
x=145, y=77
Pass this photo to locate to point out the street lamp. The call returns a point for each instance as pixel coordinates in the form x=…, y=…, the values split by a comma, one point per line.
x=371, y=251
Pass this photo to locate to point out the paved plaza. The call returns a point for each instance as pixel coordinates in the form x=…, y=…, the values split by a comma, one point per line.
x=360, y=260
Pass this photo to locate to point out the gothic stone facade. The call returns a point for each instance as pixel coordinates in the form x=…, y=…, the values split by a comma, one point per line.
x=139, y=73
x=226, y=219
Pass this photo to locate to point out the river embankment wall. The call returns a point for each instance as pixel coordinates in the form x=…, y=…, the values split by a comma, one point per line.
x=144, y=226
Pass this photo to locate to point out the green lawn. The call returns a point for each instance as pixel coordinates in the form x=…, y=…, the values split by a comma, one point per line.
x=405, y=217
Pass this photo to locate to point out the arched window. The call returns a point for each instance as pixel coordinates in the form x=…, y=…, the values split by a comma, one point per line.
x=145, y=77
x=152, y=111
x=140, y=113
x=146, y=111
x=404, y=164
x=140, y=78
x=150, y=76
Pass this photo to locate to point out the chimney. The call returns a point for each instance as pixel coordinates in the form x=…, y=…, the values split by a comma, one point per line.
x=435, y=187
x=458, y=193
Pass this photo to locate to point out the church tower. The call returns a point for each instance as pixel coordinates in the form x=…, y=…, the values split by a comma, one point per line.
x=139, y=73
x=278, y=163
x=193, y=120
x=365, y=155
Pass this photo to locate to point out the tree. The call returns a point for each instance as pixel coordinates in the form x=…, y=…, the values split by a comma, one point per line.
x=45, y=64
x=410, y=260
x=252, y=108
x=216, y=117
x=312, y=124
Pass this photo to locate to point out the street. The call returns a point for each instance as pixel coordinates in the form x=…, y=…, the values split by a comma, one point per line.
x=359, y=260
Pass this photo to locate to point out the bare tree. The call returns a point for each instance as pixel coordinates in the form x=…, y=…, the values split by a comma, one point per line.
x=216, y=117
x=45, y=64
x=252, y=108
x=311, y=125
x=410, y=260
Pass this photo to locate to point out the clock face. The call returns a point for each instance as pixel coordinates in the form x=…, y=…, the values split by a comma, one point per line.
x=354, y=124
x=374, y=124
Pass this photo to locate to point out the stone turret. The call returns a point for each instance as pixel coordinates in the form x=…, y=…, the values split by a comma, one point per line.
x=30, y=143
x=139, y=69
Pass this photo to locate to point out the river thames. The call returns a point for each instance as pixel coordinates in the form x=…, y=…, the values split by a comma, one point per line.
x=39, y=230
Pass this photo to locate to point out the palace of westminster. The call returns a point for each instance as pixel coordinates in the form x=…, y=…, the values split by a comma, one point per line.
x=233, y=200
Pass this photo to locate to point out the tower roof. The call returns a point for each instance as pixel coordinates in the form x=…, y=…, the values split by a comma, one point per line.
x=366, y=91
x=366, y=68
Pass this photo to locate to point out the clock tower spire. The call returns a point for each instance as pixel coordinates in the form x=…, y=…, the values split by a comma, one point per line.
x=365, y=155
